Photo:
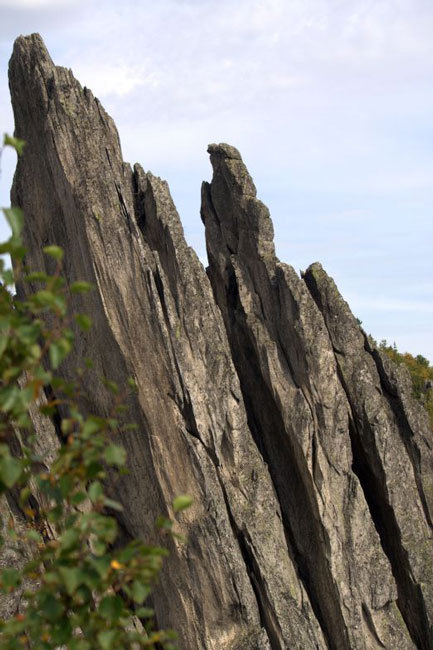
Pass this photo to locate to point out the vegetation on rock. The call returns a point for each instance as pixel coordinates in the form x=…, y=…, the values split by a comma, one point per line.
x=421, y=373
x=79, y=590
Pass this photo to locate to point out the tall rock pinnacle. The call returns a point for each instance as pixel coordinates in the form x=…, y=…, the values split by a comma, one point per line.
x=234, y=584
x=309, y=464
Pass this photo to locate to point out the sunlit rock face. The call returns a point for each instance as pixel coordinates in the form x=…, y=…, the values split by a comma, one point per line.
x=258, y=394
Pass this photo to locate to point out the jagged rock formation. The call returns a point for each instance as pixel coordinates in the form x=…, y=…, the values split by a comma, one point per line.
x=309, y=463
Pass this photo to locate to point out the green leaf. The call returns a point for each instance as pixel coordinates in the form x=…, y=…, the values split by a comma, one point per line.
x=79, y=644
x=104, y=527
x=69, y=539
x=15, y=219
x=14, y=247
x=4, y=340
x=114, y=505
x=37, y=276
x=144, y=612
x=78, y=498
x=163, y=523
x=66, y=484
x=15, y=143
x=50, y=607
x=10, y=577
x=58, y=350
x=90, y=427
x=83, y=321
x=140, y=592
x=107, y=638
x=81, y=287
x=61, y=632
x=115, y=455
x=24, y=495
x=132, y=383
x=111, y=607
x=10, y=395
x=44, y=298
x=101, y=564
x=99, y=548
x=56, y=355
x=10, y=470
x=66, y=426
x=47, y=410
x=8, y=277
x=182, y=502
x=54, y=251
x=34, y=536
x=95, y=491
x=72, y=578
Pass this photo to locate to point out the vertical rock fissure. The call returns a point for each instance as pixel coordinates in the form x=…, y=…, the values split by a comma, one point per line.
x=308, y=542
x=410, y=600
x=268, y=620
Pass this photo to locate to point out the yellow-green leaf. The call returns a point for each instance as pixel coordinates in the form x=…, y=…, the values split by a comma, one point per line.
x=182, y=502
x=54, y=251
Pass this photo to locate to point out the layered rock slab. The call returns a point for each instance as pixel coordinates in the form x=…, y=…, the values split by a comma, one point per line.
x=234, y=584
x=299, y=414
x=393, y=457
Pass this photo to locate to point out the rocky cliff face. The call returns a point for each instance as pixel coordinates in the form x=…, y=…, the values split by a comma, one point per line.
x=258, y=394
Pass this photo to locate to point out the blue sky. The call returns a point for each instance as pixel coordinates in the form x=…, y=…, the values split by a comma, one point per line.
x=329, y=101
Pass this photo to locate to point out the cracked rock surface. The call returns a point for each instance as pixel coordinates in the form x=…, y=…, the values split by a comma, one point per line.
x=308, y=461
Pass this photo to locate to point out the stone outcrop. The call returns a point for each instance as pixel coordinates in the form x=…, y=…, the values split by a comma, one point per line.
x=308, y=461
x=390, y=451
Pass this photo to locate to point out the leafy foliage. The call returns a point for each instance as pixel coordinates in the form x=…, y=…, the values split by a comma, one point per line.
x=421, y=373
x=77, y=591
x=420, y=370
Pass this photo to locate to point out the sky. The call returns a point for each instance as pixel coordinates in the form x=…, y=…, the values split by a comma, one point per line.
x=330, y=103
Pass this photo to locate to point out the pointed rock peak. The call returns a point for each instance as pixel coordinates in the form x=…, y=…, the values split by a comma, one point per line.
x=227, y=163
x=30, y=51
x=315, y=267
x=31, y=43
x=231, y=203
x=320, y=284
x=49, y=106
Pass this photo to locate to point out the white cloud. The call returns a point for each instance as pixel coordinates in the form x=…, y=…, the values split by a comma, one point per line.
x=105, y=79
x=392, y=305
x=37, y=4
x=325, y=98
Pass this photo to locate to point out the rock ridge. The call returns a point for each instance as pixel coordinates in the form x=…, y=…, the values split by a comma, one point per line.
x=308, y=460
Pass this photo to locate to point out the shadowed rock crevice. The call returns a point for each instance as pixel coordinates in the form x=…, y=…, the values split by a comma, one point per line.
x=410, y=600
x=303, y=451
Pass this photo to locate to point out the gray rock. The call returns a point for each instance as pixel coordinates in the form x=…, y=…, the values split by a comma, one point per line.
x=308, y=460
x=299, y=414
x=393, y=454
x=234, y=584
